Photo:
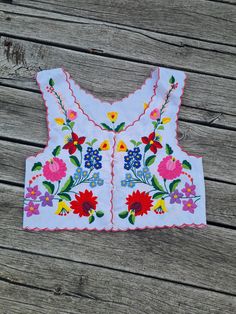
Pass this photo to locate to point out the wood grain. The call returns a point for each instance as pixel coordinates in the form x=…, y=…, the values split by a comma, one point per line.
x=73, y=287
x=110, y=40
x=206, y=20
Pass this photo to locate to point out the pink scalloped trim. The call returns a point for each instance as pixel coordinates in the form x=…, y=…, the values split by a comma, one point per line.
x=69, y=78
x=198, y=226
x=47, y=121
x=177, y=122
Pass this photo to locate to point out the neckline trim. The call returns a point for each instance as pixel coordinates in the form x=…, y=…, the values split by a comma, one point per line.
x=155, y=86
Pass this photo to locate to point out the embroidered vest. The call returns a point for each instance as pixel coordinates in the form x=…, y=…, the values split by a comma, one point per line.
x=113, y=166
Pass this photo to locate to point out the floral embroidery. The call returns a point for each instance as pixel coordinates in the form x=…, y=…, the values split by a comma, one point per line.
x=113, y=116
x=55, y=170
x=170, y=169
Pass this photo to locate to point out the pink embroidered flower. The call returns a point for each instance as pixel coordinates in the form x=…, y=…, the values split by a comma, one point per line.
x=33, y=192
x=189, y=206
x=155, y=114
x=169, y=168
x=71, y=114
x=54, y=169
x=189, y=190
x=31, y=209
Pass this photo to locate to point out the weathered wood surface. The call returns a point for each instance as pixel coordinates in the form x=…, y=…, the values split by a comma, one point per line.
x=206, y=20
x=71, y=287
x=190, y=256
x=110, y=39
x=110, y=48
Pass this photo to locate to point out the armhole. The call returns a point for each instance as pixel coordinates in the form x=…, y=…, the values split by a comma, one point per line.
x=177, y=119
x=42, y=93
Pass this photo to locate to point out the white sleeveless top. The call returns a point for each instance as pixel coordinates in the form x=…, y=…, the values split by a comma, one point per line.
x=113, y=166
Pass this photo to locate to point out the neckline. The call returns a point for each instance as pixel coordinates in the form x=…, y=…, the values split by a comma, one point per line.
x=120, y=101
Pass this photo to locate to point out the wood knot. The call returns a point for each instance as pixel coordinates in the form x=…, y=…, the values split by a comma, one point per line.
x=14, y=52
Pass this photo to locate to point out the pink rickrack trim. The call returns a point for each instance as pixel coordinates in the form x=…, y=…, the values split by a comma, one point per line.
x=69, y=78
x=198, y=226
x=177, y=122
x=112, y=177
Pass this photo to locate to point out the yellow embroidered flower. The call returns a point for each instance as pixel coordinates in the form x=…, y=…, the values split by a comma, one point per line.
x=145, y=105
x=112, y=116
x=158, y=137
x=121, y=146
x=159, y=207
x=165, y=120
x=62, y=209
x=59, y=121
x=105, y=145
x=67, y=138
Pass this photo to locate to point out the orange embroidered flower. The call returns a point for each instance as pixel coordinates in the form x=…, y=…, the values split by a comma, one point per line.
x=105, y=145
x=112, y=116
x=165, y=120
x=59, y=121
x=121, y=146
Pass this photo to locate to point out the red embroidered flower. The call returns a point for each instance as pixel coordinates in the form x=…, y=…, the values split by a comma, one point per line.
x=150, y=140
x=74, y=143
x=139, y=202
x=84, y=203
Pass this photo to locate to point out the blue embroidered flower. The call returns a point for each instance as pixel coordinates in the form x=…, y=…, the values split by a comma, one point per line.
x=132, y=159
x=123, y=182
x=128, y=176
x=100, y=182
x=131, y=184
x=92, y=184
x=88, y=164
x=98, y=165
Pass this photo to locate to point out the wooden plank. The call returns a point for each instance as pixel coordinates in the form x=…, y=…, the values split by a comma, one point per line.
x=194, y=138
x=78, y=288
x=191, y=256
x=110, y=39
x=105, y=77
x=205, y=20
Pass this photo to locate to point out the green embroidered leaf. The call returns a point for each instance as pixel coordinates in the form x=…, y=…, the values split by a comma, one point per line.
x=99, y=213
x=106, y=126
x=64, y=196
x=186, y=165
x=123, y=214
x=133, y=142
x=49, y=186
x=75, y=161
x=161, y=127
x=88, y=143
x=150, y=160
x=56, y=151
x=147, y=148
x=72, y=124
x=172, y=80
x=156, y=184
x=154, y=124
x=79, y=147
x=120, y=127
x=91, y=219
x=65, y=128
x=36, y=166
x=51, y=82
x=173, y=185
x=158, y=195
x=67, y=186
x=132, y=219
x=169, y=150
x=138, y=143
x=94, y=141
